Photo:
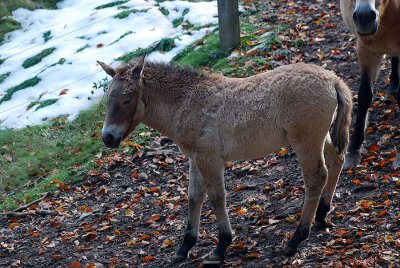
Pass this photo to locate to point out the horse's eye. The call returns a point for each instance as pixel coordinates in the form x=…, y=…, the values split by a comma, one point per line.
x=126, y=101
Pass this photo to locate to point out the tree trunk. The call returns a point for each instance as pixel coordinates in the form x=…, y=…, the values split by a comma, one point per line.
x=229, y=27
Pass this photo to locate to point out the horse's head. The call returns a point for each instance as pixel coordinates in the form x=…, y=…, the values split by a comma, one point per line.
x=124, y=105
x=366, y=16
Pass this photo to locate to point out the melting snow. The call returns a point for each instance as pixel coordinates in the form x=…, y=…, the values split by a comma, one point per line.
x=82, y=34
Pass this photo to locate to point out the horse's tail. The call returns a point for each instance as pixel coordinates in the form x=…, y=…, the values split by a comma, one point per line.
x=341, y=127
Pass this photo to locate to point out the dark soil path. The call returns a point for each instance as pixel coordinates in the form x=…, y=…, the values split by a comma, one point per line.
x=131, y=211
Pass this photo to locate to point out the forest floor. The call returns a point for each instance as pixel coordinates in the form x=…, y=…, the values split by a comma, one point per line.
x=131, y=210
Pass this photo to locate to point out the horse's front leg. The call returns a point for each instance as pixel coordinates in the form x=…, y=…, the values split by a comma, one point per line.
x=196, y=199
x=212, y=171
x=369, y=64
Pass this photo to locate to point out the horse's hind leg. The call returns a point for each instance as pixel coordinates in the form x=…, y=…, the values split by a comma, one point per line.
x=196, y=199
x=212, y=171
x=369, y=63
x=334, y=163
x=315, y=176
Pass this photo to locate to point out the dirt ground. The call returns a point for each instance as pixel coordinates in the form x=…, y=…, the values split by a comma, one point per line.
x=131, y=211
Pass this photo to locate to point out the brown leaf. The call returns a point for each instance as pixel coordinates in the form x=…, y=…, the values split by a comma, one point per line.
x=63, y=92
x=148, y=258
x=155, y=217
x=13, y=225
x=75, y=264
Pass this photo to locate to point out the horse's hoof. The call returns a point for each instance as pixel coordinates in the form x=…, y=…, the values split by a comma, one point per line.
x=289, y=251
x=179, y=258
x=323, y=226
x=352, y=159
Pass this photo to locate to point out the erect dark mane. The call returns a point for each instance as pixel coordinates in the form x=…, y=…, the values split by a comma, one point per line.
x=170, y=69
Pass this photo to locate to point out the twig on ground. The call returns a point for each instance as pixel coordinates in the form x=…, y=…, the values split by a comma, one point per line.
x=31, y=203
x=40, y=212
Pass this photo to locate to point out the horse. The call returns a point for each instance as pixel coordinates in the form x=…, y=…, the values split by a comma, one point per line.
x=214, y=119
x=374, y=23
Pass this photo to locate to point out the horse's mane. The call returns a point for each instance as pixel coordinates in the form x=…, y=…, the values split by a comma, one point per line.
x=168, y=69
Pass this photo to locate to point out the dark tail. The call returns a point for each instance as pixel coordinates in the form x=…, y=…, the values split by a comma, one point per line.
x=341, y=127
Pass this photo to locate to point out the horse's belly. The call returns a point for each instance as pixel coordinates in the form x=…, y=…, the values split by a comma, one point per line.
x=254, y=147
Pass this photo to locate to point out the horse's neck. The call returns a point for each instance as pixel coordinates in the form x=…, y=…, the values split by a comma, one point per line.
x=164, y=99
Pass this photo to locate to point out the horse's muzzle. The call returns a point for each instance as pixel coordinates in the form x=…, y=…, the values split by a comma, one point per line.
x=110, y=140
x=366, y=20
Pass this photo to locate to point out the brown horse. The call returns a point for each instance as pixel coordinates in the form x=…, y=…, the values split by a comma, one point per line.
x=376, y=26
x=214, y=119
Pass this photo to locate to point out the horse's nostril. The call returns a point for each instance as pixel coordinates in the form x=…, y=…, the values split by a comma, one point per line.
x=372, y=15
x=364, y=17
x=355, y=17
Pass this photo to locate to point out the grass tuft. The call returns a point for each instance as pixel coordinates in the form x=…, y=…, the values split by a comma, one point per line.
x=27, y=83
x=47, y=36
x=112, y=4
x=124, y=14
x=164, y=45
x=82, y=48
x=4, y=77
x=164, y=11
x=38, y=57
x=46, y=103
x=122, y=36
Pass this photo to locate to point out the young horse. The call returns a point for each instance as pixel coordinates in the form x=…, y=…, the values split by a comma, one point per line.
x=375, y=24
x=214, y=119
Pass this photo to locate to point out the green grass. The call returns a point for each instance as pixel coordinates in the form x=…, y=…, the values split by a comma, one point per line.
x=27, y=83
x=7, y=6
x=207, y=54
x=112, y=4
x=38, y=57
x=60, y=150
x=2, y=61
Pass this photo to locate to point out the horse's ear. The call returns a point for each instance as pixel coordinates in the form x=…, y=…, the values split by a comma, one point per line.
x=107, y=68
x=138, y=68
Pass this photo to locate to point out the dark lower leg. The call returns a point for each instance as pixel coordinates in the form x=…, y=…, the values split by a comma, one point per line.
x=189, y=240
x=224, y=240
x=364, y=102
x=322, y=211
x=196, y=199
x=301, y=234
